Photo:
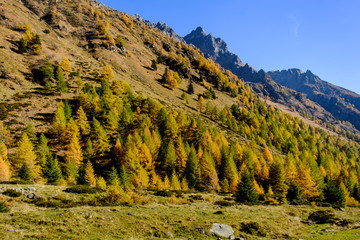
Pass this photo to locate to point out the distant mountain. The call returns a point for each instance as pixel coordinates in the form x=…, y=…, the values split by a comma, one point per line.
x=293, y=88
x=340, y=102
x=169, y=31
x=214, y=48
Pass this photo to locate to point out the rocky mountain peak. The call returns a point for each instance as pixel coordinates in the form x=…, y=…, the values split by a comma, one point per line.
x=169, y=31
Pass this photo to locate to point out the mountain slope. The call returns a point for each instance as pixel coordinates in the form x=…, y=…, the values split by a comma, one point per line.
x=340, y=102
x=281, y=90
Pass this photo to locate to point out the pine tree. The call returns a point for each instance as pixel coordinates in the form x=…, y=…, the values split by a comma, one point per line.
x=245, y=190
x=59, y=123
x=200, y=104
x=124, y=178
x=193, y=173
x=74, y=152
x=70, y=130
x=82, y=121
x=101, y=139
x=294, y=194
x=25, y=154
x=174, y=182
x=89, y=174
x=5, y=172
x=167, y=158
x=43, y=150
x=25, y=173
x=191, y=88
x=29, y=130
x=72, y=171
x=153, y=65
x=81, y=175
x=334, y=195
x=65, y=65
x=88, y=153
x=107, y=73
x=52, y=171
x=277, y=178
x=113, y=177
x=61, y=85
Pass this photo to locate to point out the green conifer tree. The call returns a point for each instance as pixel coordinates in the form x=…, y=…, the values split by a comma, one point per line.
x=52, y=171
x=193, y=173
x=245, y=190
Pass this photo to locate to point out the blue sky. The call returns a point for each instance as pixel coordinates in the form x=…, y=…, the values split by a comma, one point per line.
x=322, y=36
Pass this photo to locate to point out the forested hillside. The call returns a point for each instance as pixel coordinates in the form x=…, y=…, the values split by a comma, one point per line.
x=94, y=97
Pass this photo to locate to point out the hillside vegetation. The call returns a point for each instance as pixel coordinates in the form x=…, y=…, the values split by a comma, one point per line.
x=94, y=97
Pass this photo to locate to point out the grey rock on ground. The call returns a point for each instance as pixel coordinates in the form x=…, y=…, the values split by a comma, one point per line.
x=222, y=230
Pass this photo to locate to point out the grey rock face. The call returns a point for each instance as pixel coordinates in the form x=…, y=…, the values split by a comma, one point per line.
x=222, y=230
x=214, y=48
x=168, y=31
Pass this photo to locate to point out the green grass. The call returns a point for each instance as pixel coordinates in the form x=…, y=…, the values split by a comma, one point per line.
x=161, y=216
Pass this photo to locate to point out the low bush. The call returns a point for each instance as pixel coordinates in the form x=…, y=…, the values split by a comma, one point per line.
x=252, y=228
x=224, y=203
x=322, y=217
x=11, y=193
x=163, y=193
x=3, y=208
x=196, y=197
x=82, y=189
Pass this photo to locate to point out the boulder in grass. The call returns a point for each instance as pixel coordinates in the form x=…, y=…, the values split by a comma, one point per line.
x=222, y=230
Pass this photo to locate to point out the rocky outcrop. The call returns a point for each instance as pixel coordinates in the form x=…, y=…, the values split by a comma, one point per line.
x=169, y=31
x=341, y=103
x=214, y=48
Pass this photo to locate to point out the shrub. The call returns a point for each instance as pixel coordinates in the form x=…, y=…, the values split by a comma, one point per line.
x=224, y=203
x=3, y=208
x=322, y=217
x=163, y=193
x=196, y=197
x=252, y=228
x=11, y=193
x=82, y=189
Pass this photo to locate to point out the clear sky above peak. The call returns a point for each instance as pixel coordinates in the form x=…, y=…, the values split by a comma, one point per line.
x=323, y=36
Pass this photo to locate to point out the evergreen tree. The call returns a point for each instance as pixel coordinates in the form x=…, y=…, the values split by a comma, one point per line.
x=245, y=190
x=124, y=178
x=101, y=139
x=25, y=173
x=191, y=88
x=52, y=171
x=43, y=150
x=89, y=174
x=59, y=123
x=193, y=173
x=81, y=175
x=277, y=178
x=65, y=64
x=294, y=194
x=88, y=153
x=82, y=121
x=25, y=154
x=174, y=182
x=74, y=152
x=61, y=85
x=153, y=65
x=5, y=172
x=29, y=130
x=113, y=177
x=334, y=195
x=22, y=46
x=67, y=110
x=107, y=73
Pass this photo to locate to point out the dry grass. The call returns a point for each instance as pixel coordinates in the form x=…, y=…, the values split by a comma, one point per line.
x=159, y=216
